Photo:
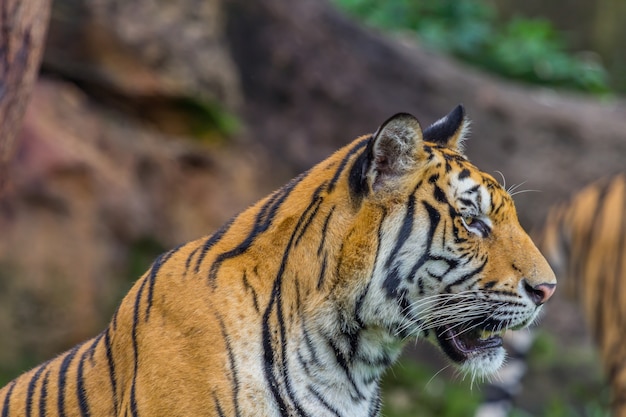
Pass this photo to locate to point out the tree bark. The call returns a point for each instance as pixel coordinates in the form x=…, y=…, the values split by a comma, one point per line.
x=23, y=26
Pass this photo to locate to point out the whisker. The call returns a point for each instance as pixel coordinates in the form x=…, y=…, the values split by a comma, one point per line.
x=514, y=187
x=503, y=179
x=524, y=191
x=437, y=373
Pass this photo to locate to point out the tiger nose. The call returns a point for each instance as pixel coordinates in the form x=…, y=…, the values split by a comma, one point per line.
x=539, y=293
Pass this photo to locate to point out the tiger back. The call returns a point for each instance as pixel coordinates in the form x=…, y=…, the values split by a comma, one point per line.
x=298, y=305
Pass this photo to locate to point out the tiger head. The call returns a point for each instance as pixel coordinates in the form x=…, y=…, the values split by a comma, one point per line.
x=452, y=257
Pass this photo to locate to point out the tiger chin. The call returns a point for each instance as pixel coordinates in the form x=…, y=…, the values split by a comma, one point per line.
x=298, y=305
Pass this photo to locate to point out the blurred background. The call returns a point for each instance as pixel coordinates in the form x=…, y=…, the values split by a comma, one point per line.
x=153, y=122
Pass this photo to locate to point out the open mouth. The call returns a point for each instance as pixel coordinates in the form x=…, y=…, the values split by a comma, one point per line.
x=463, y=343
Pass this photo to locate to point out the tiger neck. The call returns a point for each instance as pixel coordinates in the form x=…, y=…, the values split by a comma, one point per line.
x=335, y=359
x=340, y=369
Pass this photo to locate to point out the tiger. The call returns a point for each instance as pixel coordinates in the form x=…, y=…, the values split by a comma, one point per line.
x=298, y=305
x=584, y=241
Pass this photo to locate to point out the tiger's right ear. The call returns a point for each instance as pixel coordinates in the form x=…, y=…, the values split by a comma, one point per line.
x=394, y=149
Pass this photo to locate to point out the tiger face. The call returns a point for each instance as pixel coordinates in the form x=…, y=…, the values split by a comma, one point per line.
x=472, y=272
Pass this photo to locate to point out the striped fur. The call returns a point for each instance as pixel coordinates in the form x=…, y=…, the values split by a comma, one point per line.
x=298, y=305
x=585, y=241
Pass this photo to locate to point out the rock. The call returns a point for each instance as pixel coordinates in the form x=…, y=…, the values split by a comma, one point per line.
x=144, y=48
x=92, y=194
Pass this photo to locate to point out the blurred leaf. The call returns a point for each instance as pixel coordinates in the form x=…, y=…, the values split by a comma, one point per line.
x=529, y=50
x=412, y=389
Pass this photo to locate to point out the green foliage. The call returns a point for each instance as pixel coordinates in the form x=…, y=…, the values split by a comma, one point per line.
x=206, y=119
x=410, y=389
x=562, y=409
x=529, y=50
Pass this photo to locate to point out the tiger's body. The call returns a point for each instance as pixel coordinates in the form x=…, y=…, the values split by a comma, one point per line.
x=584, y=240
x=299, y=304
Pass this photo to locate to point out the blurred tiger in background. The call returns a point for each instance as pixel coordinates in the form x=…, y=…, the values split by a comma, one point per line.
x=584, y=240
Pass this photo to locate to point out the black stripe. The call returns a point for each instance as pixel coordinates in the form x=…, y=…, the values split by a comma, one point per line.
x=322, y=275
x=360, y=144
x=268, y=353
x=218, y=407
x=67, y=360
x=357, y=178
x=7, y=399
x=440, y=195
x=114, y=321
x=466, y=277
x=434, y=219
x=381, y=361
x=248, y=287
x=304, y=363
x=318, y=202
x=324, y=231
x=232, y=365
x=343, y=364
x=43, y=398
x=405, y=230
x=353, y=337
x=189, y=258
x=154, y=271
x=211, y=241
x=133, y=388
x=307, y=338
x=263, y=220
x=32, y=384
x=171, y=252
x=359, y=303
x=276, y=303
x=375, y=405
x=391, y=285
x=81, y=391
x=322, y=401
x=111, y=366
x=451, y=263
x=92, y=349
x=309, y=343
x=156, y=266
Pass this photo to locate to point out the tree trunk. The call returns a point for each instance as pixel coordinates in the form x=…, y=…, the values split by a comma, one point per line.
x=23, y=26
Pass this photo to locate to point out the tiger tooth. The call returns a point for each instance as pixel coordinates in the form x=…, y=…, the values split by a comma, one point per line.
x=485, y=334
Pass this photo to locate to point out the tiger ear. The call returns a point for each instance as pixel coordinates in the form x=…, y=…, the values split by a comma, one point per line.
x=394, y=149
x=449, y=131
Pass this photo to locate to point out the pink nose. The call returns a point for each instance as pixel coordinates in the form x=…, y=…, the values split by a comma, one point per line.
x=539, y=293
